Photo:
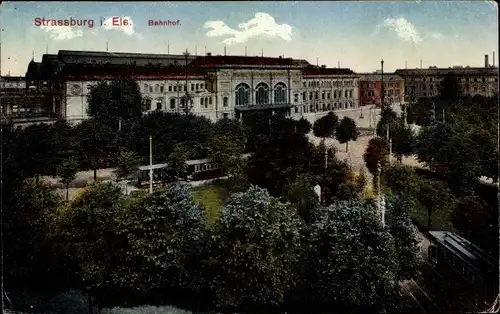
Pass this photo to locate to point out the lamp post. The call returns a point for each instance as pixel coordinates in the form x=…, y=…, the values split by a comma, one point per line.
x=150, y=164
x=382, y=96
x=187, y=97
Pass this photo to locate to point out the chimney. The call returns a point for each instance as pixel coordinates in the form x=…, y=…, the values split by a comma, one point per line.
x=224, y=50
x=486, y=64
x=420, y=63
x=493, y=58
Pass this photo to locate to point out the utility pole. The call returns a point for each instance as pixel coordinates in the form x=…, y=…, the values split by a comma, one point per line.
x=382, y=96
x=150, y=164
x=443, y=116
x=186, y=96
x=2, y=305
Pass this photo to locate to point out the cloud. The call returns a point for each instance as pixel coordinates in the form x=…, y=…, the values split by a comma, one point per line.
x=404, y=29
x=128, y=29
x=62, y=32
x=262, y=25
x=437, y=35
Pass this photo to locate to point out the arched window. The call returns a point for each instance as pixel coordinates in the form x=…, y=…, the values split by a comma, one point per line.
x=172, y=103
x=242, y=95
x=202, y=102
x=225, y=101
x=262, y=94
x=280, y=93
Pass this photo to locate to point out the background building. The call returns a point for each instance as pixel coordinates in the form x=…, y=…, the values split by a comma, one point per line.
x=211, y=86
x=370, y=90
x=474, y=81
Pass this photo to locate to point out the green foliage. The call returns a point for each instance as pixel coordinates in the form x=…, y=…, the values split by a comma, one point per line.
x=255, y=251
x=301, y=194
x=435, y=196
x=164, y=231
x=96, y=144
x=347, y=131
x=28, y=257
x=177, y=159
x=127, y=164
x=303, y=126
x=67, y=171
x=211, y=197
x=405, y=236
x=376, y=154
x=388, y=118
x=87, y=231
x=325, y=126
x=227, y=145
x=118, y=100
x=403, y=141
x=450, y=90
x=352, y=261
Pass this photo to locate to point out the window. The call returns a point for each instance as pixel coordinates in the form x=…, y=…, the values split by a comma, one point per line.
x=317, y=96
x=210, y=100
x=350, y=93
x=329, y=107
x=304, y=96
x=201, y=86
x=224, y=101
x=242, y=95
x=162, y=88
x=175, y=88
x=183, y=102
x=151, y=88
x=157, y=88
x=148, y=104
x=192, y=87
x=296, y=98
x=280, y=93
x=323, y=96
x=169, y=88
x=345, y=93
x=172, y=103
x=185, y=88
x=206, y=102
x=262, y=94
x=202, y=102
x=310, y=96
x=329, y=96
x=158, y=104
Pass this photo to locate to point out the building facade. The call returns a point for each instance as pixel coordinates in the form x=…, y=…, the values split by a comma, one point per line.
x=370, y=89
x=422, y=83
x=212, y=86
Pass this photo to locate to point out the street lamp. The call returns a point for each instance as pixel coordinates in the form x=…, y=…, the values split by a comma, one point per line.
x=187, y=96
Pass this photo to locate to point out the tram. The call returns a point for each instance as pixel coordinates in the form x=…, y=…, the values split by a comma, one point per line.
x=468, y=267
x=197, y=169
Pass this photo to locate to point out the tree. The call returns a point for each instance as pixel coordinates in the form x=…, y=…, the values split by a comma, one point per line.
x=405, y=236
x=255, y=250
x=475, y=220
x=115, y=102
x=67, y=171
x=325, y=126
x=403, y=141
x=387, y=118
x=303, y=126
x=376, y=154
x=165, y=230
x=436, y=197
x=177, y=160
x=347, y=131
x=88, y=232
x=301, y=194
x=450, y=90
x=96, y=145
x=224, y=150
x=352, y=261
x=28, y=255
x=128, y=164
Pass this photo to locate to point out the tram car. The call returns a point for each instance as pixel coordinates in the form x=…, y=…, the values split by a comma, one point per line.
x=197, y=169
x=465, y=265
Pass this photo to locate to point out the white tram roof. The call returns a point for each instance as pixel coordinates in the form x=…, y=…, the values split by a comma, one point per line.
x=465, y=249
x=156, y=166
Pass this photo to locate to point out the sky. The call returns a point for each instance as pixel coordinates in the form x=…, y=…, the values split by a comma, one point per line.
x=356, y=34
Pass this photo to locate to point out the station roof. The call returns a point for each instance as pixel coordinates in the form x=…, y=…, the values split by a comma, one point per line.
x=465, y=249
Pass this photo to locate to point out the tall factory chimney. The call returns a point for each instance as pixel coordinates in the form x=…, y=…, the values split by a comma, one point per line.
x=493, y=58
x=420, y=63
x=486, y=64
